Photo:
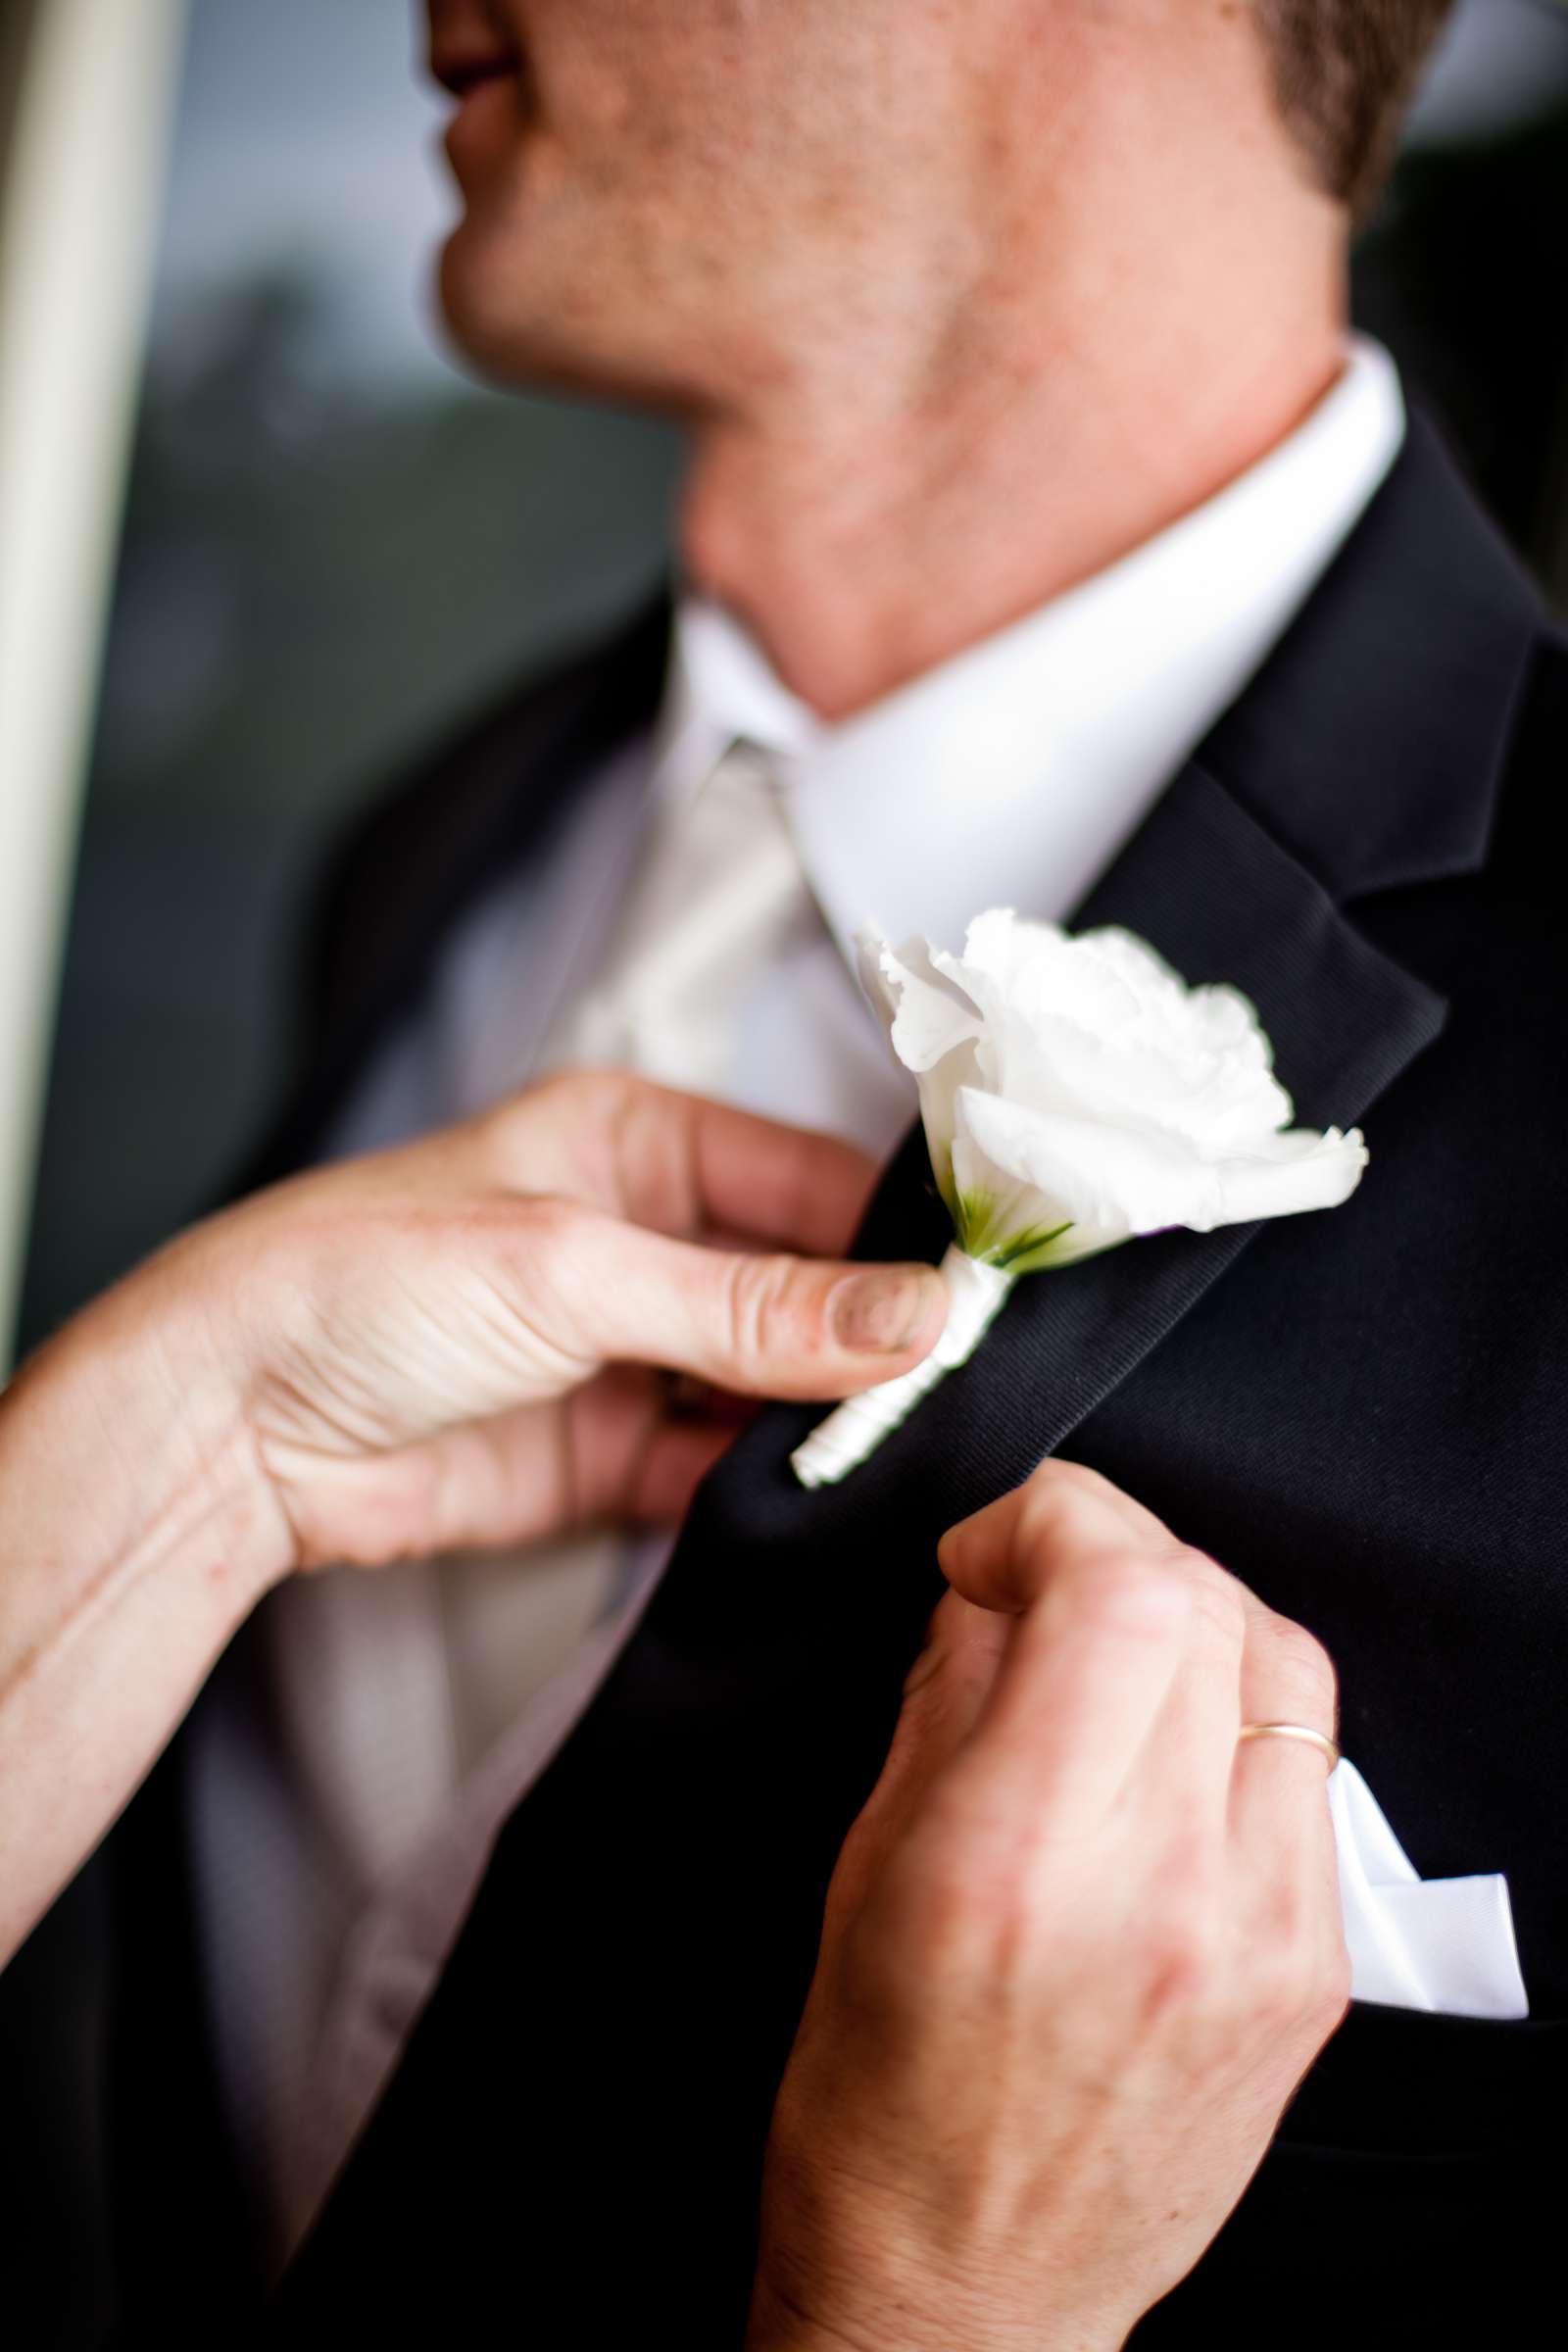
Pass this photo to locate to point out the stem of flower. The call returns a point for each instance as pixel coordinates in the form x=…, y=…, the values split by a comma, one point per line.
x=976, y=1293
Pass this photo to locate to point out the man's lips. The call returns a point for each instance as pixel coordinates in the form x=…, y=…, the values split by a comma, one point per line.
x=494, y=91
x=460, y=71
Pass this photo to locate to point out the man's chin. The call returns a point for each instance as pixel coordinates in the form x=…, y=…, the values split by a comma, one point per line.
x=478, y=323
x=527, y=346
x=488, y=325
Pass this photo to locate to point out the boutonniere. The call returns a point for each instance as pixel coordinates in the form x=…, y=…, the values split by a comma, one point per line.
x=1075, y=1093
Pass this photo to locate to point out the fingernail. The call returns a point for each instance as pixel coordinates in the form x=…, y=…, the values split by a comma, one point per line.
x=879, y=1312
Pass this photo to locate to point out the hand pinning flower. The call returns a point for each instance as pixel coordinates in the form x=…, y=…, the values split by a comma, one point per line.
x=1075, y=1092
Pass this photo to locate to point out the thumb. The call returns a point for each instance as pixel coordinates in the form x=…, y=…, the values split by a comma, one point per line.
x=1007, y=1555
x=764, y=1324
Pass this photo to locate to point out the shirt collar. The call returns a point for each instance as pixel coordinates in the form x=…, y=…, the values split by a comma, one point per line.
x=1011, y=773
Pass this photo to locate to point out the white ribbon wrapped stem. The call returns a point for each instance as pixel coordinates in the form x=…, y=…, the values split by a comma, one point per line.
x=976, y=1293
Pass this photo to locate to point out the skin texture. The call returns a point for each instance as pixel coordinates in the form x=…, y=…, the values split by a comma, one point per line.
x=440, y=1348
x=980, y=295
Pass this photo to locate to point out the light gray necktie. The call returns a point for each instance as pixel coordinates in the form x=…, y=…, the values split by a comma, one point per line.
x=721, y=890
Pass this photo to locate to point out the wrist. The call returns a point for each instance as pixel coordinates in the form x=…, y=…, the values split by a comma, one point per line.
x=849, y=2266
x=780, y=2323
x=137, y=1536
x=137, y=1450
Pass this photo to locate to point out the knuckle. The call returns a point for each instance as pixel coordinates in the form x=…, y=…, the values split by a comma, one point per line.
x=563, y=1085
x=1181, y=1976
x=970, y=1877
x=1132, y=1598
x=1060, y=1501
x=1216, y=1599
x=535, y=1248
x=546, y=1224
x=1302, y=1670
x=651, y=1153
x=765, y=1312
x=1311, y=1662
x=504, y=1128
x=588, y=1088
x=1053, y=1474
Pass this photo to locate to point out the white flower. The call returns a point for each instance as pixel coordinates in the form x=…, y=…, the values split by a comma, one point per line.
x=1075, y=1091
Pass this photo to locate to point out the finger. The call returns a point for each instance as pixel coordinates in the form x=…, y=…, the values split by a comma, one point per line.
x=609, y=1452
x=699, y=1400
x=626, y=1455
x=1281, y=1826
x=1286, y=1677
x=803, y=1190
x=681, y=1164
x=1127, y=1659
x=1000, y=1556
x=770, y=1182
x=474, y=1487
x=678, y=1457
x=1079, y=1693
x=763, y=1325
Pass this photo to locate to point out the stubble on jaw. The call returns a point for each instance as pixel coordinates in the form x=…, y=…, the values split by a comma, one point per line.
x=940, y=305
x=707, y=204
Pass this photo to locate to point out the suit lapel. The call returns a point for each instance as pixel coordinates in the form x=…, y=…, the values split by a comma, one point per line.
x=1219, y=898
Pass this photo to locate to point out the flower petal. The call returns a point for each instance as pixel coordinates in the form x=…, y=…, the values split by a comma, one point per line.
x=1285, y=1174
x=1076, y=1092
x=1113, y=1182
x=1056, y=1169
x=926, y=1016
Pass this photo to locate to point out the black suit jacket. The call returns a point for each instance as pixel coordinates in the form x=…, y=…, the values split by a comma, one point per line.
x=1361, y=1414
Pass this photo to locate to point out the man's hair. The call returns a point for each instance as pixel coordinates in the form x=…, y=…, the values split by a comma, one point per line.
x=1344, y=70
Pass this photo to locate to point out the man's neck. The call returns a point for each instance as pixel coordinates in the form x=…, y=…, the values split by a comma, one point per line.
x=864, y=541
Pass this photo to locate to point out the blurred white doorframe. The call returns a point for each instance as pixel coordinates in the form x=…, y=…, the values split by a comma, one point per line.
x=87, y=102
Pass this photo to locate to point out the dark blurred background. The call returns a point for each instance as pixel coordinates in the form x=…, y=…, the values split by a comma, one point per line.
x=333, y=545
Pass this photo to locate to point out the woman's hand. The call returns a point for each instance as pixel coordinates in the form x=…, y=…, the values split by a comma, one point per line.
x=1079, y=1949
x=449, y=1346
x=444, y=1346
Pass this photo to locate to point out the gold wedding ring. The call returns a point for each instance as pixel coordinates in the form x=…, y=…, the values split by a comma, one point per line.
x=1293, y=1730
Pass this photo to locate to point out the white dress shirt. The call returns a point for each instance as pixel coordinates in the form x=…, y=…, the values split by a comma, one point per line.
x=337, y=1852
